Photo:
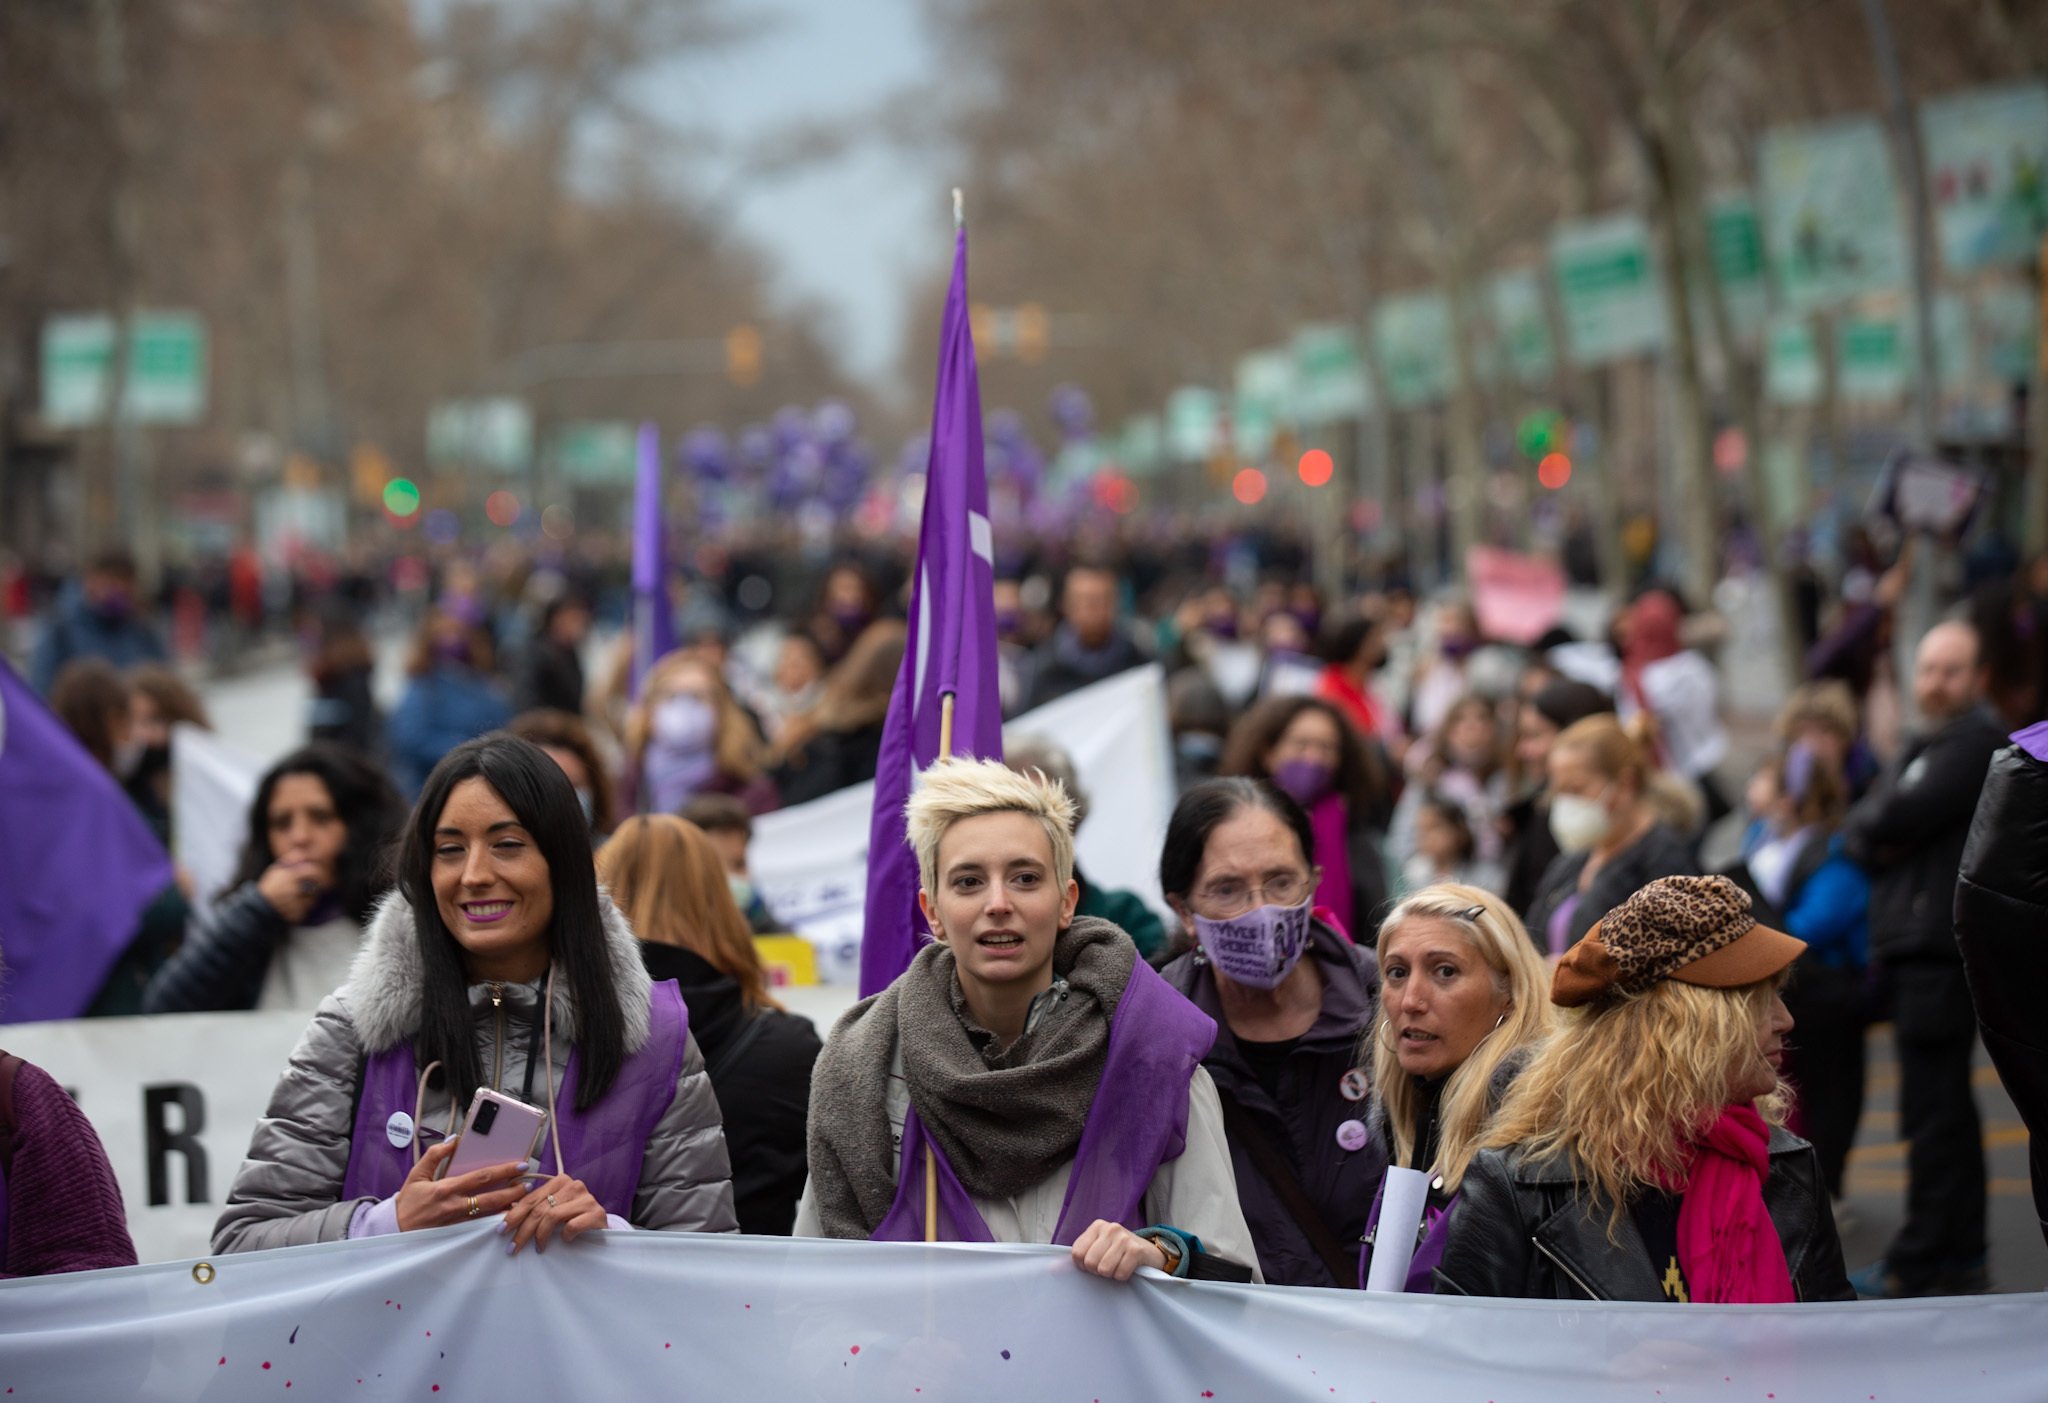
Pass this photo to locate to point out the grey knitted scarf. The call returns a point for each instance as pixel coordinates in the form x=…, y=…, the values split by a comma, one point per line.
x=1004, y=1119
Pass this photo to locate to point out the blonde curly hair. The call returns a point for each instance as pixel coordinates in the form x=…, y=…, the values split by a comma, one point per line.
x=1624, y=1084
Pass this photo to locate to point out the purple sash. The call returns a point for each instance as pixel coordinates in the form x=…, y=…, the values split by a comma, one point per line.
x=1137, y=1122
x=603, y=1146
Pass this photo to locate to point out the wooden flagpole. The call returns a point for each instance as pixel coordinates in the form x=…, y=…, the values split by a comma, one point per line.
x=931, y=1163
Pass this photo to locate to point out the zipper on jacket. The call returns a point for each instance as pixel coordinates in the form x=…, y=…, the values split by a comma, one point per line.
x=497, y=991
x=1565, y=1267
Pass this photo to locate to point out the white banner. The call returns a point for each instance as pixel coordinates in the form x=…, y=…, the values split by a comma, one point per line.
x=174, y=1099
x=810, y=862
x=445, y=1315
x=212, y=783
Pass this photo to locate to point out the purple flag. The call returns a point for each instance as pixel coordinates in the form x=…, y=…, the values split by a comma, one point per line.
x=951, y=647
x=654, y=628
x=78, y=864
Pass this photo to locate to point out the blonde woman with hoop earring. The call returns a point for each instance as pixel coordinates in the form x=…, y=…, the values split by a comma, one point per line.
x=1463, y=997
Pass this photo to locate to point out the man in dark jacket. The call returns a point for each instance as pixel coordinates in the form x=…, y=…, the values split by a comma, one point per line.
x=101, y=618
x=1908, y=832
x=2002, y=927
x=1088, y=645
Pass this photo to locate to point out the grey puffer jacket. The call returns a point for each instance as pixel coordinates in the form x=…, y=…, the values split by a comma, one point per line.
x=288, y=1191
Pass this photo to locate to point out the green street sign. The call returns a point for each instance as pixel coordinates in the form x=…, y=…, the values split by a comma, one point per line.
x=1735, y=242
x=1191, y=412
x=596, y=454
x=1831, y=214
x=166, y=369
x=1142, y=446
x=1522, y=326
x=1330, y=383
x=1413, y=337
x=1264, y=402
x=1607, y=284
x=1871, y=358
x=493, y=434
x=1792, y=368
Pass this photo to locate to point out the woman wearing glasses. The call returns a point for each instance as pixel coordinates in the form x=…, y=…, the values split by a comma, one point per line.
x=1292, y=1000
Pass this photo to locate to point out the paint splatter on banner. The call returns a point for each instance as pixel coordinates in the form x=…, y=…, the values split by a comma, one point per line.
x=659, y=1315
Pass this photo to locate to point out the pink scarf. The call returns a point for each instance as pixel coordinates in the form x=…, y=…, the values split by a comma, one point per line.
x=1728, y=1247
x=1330, y=821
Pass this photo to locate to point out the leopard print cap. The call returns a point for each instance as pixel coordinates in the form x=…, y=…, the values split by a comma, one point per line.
x=1664, y=927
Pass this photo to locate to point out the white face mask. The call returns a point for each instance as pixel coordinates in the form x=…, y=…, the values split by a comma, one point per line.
x=1579, y=824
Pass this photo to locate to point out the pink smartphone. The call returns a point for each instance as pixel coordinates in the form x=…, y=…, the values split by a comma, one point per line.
x=500, y=1130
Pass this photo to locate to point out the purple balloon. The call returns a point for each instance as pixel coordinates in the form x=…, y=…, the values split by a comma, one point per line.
x=834, y=422
x=792, y=427
x=1073, y=412
x=706, y=453
x=757, y=446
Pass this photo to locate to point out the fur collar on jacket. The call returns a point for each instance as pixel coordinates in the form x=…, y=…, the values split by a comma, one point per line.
x=384, y=984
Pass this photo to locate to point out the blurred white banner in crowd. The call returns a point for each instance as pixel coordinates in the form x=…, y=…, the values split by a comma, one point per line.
x=212, y=782
x=810, y=862
x=446, y=1314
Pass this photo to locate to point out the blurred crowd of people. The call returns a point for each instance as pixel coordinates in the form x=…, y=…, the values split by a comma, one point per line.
x=1403, y=846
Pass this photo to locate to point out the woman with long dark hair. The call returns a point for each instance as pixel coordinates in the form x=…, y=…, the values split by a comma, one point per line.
x=497, y=963
x=286, y=929
x=1315, y=756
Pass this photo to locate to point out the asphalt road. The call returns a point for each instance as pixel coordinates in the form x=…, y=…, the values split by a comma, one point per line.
x=263, y=711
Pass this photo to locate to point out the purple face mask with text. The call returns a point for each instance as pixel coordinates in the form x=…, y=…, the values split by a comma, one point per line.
x=1259, y=948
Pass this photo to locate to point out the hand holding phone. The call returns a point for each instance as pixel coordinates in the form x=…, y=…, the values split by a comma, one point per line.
x=500, y=1129
x=429, y=1200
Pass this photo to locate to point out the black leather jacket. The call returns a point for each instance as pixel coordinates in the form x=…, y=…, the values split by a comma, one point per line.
x=1521, y=1230
x=2002, y=927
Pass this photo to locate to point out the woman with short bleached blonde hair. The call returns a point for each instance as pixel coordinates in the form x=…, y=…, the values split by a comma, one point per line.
x=987, y=1075
x=1463, y=998
x=1640, y=1155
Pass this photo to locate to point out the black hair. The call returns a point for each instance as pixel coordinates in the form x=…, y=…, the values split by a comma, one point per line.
x=1210, y=803
x=1564, y=702
x=541, y=798
x=1361, y=766
x=1342, y=640
x=367, y=805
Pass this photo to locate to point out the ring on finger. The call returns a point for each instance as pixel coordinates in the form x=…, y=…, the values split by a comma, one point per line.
x=551, y=1200
x=474, y=1207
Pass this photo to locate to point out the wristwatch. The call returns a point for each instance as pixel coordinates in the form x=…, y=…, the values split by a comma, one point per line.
x=1169, y=1250
x=1174, y=1245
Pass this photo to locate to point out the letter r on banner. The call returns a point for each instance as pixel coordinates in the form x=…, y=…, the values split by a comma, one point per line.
x=162, y=1142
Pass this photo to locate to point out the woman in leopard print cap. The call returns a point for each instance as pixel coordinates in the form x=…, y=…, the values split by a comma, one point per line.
x=1640, y=1156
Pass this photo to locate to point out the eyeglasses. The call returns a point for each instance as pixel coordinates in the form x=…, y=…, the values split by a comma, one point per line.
x=1230, y=897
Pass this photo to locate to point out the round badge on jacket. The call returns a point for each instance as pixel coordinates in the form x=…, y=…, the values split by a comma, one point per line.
x=398, y=1130
x=1354, y=1085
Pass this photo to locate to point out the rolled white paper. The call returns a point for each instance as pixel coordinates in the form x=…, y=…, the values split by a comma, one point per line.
x=1393, y=1241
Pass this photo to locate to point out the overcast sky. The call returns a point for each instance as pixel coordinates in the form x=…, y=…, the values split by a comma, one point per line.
x=851, y=233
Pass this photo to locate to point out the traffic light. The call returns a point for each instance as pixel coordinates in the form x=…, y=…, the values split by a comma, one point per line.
x=743, y=355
